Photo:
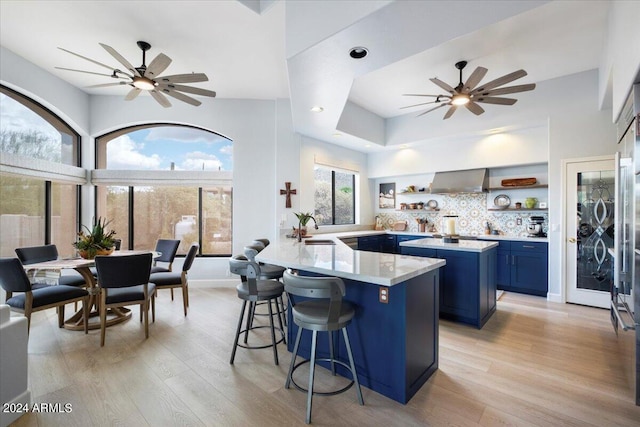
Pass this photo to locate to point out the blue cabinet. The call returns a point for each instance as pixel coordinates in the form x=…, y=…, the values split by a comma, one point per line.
x=385, y=243
x=467, y=283
x=523, y=267
x=403, y=238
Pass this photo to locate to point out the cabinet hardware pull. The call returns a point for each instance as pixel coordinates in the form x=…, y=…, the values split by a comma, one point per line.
x=513, y=260
x=572, y=240
x=528, y=246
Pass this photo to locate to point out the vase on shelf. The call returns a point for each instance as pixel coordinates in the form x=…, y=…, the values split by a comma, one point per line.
x=530, y=202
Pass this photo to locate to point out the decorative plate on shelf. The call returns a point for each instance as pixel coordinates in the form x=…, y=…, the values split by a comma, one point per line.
x=432, y=204
x=502, y=201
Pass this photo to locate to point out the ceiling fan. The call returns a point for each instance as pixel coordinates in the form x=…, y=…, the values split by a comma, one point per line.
x=147, y=77
x=470, y=94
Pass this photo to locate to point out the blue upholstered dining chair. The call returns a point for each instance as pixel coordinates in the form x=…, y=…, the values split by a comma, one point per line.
x=168, y=249
x=27, y=300
x=170, y=279
x=123, y=281
x=34, y=254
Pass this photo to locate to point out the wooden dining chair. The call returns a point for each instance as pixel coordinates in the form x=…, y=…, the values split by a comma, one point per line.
x=123, y=281
x=13, y=279
x=171, y=280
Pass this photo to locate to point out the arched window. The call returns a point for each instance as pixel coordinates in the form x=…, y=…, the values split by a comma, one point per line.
x=166, y=181
x=38, y=176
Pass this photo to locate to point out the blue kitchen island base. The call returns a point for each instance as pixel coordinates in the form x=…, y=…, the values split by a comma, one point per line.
x=394, y=344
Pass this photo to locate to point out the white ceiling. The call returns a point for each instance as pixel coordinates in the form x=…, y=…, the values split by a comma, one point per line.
x=244, y=52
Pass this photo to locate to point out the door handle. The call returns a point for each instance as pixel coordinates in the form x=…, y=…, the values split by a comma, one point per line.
x=572, y=240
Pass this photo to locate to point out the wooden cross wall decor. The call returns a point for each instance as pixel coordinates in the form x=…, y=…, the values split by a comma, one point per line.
x=288, y=192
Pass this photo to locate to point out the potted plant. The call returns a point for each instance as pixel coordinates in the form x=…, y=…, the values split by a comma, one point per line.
x=303, y=219
x=96, y=240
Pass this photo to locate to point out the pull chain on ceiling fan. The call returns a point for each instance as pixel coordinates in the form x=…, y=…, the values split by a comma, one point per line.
x=469, y=95
x=147, y=77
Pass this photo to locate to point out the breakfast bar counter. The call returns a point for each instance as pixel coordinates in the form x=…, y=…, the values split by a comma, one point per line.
x=394, y=335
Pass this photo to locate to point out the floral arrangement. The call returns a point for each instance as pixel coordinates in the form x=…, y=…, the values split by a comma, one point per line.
x=95, y=240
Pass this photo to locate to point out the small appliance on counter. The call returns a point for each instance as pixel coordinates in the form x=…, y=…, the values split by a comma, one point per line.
x=535, y=227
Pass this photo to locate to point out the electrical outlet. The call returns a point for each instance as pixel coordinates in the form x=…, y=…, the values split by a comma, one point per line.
x=384, y=294
x=518, y=221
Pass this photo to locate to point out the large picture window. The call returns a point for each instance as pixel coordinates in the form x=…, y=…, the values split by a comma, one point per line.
x=35, y=210
x=159, y=205
x=335, y=196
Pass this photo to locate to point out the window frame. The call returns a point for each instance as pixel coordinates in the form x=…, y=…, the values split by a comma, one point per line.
x=201, y=180
x=333, y=171
x=44, y=170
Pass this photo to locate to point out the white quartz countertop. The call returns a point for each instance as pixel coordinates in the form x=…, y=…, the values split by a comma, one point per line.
x=341, y=261
x=462, y=245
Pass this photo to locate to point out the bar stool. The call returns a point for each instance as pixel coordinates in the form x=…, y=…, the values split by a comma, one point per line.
x=253, y=290
x=324, y=310
x=267, y=271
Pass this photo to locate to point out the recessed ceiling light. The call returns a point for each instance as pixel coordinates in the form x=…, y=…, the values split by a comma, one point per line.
x=337, y=134
x=358, y=52
x=317, y=109
x=404, y=146
x=367, y=146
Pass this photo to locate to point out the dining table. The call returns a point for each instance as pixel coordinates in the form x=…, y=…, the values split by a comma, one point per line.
x=83, y=266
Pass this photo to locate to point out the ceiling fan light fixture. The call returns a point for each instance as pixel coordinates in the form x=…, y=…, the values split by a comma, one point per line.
x=144, y=83
x=460, y=99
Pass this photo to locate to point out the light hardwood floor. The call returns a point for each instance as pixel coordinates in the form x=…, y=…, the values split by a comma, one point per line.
x=534, y=363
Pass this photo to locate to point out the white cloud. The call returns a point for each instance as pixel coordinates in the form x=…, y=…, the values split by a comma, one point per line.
x=123, y=153
x=227, y=149
x=17, y=117
x=197, y=160
x=183, y=134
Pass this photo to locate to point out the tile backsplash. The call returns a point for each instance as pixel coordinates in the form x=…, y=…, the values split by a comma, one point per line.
x=472, y=213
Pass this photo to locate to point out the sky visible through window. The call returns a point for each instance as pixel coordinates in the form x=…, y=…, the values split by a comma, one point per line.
x=158, y=147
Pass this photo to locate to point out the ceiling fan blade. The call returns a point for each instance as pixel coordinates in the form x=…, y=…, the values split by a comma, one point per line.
x=420, y=94
x=434, y=108
x=121, y=59
x=450, y=112
x=443, y=85
x=183, y=78
x=157, y=66
x=474, y=108
x=86, y=59
x=188, y=89
x=508, y=89
x=473, y=80
x=495, y=100
x=82, y=71
x=508, y=78
x=133, y=93
x=108, y=84
x=182, y=97
x=162, y=100
x=424, y=103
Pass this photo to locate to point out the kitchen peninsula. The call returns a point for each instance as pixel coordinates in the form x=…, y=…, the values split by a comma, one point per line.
x=394, y=336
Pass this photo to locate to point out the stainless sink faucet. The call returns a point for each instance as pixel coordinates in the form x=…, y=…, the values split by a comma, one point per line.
x=300, y=226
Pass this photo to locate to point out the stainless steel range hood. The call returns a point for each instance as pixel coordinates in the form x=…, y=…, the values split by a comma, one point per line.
x=467, y=181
